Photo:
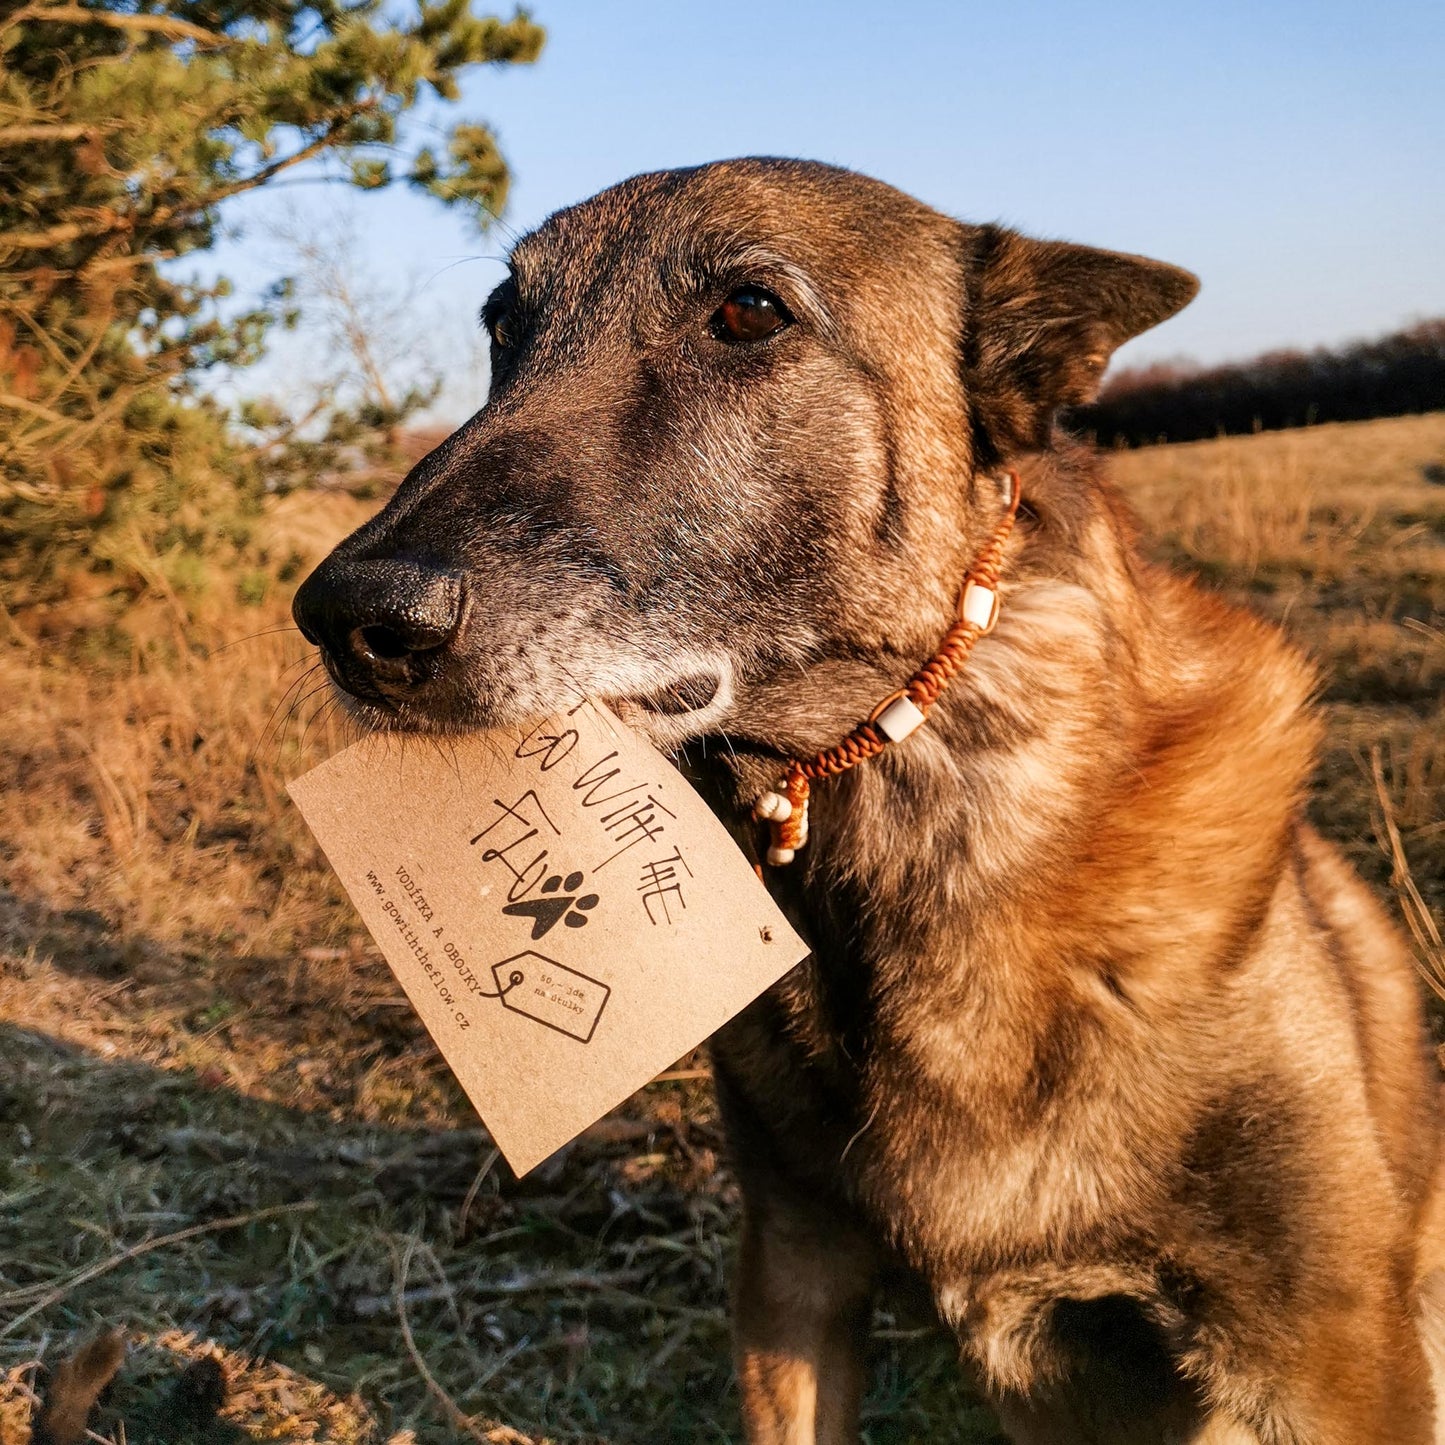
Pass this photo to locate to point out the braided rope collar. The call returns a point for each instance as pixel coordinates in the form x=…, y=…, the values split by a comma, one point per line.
x=901, y=713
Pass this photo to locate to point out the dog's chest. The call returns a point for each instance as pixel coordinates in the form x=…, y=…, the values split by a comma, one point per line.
x=963, y=1141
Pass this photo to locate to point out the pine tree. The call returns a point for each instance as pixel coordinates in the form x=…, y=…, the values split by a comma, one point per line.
x=125, y=125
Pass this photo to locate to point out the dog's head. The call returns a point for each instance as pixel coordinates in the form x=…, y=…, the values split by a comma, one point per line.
x=744, y=420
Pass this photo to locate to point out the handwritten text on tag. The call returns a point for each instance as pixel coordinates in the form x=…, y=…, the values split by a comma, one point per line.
x=563, y=911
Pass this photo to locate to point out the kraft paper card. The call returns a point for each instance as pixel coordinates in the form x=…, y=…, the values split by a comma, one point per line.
x=564, y=912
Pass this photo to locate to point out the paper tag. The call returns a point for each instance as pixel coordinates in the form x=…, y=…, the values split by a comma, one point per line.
x=564, y=912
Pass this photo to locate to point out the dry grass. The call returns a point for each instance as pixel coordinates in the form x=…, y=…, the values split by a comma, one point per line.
x=1338, y=533
x=222, y=1130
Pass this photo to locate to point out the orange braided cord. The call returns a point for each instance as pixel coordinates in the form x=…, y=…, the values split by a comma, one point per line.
x=922, y=689
x=792, y=831
x=861, y=744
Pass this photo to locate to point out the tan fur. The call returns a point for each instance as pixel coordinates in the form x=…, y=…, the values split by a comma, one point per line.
x=1195, y=942
x=805, y=1320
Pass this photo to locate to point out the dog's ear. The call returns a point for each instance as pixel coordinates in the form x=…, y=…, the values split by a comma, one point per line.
x=1042, y=320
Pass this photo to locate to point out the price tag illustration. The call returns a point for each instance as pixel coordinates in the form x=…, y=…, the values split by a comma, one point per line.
x=551, y=993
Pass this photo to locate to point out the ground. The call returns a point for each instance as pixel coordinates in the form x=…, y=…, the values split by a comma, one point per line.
x=223, y=1132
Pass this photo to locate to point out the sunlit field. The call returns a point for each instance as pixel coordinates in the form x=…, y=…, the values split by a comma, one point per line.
x=223, y=1132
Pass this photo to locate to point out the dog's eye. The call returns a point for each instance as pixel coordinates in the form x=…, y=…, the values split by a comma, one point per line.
x=749, y=314
x=503, y=330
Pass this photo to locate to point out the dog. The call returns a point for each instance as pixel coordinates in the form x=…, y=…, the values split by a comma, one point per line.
x=1099, y=1043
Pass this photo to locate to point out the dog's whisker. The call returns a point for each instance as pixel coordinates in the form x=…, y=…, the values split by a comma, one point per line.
x=728, y=744
x=310, y=722
x=253, y=636
x=324, y=714
x=577, y=686
x=271, y=720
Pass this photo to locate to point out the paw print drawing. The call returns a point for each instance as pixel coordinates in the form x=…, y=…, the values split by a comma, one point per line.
x=556, y=906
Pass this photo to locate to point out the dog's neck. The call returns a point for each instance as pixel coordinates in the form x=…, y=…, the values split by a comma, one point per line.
x=1078, y=790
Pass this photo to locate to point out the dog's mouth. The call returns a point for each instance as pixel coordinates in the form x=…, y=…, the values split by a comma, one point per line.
x=675, y=699
x=684, y=706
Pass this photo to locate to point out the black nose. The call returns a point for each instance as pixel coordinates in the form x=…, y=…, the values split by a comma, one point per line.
x=379, y=625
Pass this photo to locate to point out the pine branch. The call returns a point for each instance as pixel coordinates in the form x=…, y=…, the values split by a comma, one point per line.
x=167, y=25
x=8, y=401
x=112, y=222
x=24, y=134
x=106, y=223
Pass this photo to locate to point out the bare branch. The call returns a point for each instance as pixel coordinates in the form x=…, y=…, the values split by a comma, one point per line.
x=259, y=178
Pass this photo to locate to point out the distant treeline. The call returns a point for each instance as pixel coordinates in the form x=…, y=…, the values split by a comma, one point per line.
x=1177, y=402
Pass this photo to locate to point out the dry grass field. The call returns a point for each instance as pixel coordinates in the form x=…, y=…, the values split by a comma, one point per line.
x=223, y=1132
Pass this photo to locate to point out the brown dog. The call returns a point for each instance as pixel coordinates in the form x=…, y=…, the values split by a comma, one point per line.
x=1099, y=1040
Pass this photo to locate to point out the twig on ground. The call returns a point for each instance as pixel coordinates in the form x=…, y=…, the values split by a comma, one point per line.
x=560, y=1282
x=670, y=1346
x=1430, y=957
x=460, y=1420
x=52, y=1294
x=368, y=1305
x=471, y=1197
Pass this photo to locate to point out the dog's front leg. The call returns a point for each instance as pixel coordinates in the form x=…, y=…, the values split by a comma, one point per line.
x=800, y=1316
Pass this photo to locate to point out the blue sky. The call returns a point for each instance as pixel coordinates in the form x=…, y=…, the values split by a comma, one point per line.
x=1293, y=154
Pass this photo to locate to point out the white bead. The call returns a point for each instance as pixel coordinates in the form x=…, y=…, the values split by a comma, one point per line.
x=772, y=807
x=780, y=857
x=900, y=718
x=978, y=605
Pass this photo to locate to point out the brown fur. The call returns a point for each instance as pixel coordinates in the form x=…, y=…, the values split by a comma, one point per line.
x=75, y=1388
x=1099, y=1042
